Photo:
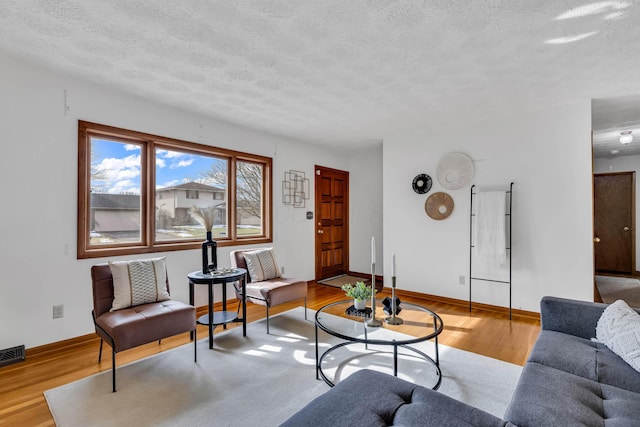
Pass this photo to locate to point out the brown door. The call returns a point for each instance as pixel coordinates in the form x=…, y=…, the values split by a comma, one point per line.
x=614, y=222
x=332, y=222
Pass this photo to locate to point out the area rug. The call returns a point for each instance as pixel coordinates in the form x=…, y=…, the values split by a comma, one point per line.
x=338, y=281
x=260, y=380
x=614, y=288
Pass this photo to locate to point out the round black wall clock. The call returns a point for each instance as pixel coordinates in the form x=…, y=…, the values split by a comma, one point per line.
x=422, y=183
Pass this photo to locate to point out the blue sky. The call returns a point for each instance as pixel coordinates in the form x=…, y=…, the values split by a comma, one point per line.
x=120, y=165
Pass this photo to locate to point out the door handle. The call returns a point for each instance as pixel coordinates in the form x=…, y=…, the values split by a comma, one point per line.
x=596, y=239
x=627, y=228
x=320, y=232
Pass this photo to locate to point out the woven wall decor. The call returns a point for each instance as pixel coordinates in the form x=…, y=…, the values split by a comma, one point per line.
x=455, y=171
x=439, y=206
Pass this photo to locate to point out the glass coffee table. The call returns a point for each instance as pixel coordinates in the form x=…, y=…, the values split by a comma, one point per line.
x=419, y=325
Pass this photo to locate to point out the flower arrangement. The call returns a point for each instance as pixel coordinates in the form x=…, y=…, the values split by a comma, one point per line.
x=359, y=291
x=204, y=216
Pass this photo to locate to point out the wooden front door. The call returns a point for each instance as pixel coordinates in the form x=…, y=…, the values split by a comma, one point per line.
x=332, y=222
x=614, y=222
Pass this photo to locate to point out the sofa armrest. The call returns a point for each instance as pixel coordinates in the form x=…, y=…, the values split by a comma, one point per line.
x=578, y=318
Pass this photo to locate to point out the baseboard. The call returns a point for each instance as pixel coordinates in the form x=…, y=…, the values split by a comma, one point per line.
x=465, y=303
x=66, y=344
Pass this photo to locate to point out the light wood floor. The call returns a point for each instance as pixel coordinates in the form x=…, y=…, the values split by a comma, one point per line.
x=22, y=385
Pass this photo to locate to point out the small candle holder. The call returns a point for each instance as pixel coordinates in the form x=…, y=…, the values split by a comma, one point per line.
x=393, y=319
x=373, y=322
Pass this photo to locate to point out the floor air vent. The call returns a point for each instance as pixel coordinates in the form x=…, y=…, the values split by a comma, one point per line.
x=11, y=355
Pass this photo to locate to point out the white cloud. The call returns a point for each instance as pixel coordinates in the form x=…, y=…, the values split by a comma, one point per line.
x=160, y=162
x=120, y=172
x=132, y=147
x=182, y=163
x=169, y=183
x=124, y=186
x=167, y=154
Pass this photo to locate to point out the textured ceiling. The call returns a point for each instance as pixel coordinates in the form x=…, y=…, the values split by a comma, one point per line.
x=336, y=71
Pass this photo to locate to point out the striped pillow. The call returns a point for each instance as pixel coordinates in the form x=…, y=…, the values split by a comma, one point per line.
x=138, y=282
x=262, y=265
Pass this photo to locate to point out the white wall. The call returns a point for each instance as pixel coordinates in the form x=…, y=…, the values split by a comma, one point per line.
x=365, y=194
x=548, y=156
x=623, y=164
x=38, y=266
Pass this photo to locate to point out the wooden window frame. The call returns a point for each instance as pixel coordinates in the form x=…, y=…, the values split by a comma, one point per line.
x=150, y=143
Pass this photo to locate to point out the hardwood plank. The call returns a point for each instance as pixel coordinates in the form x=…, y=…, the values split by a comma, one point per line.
x=483, y=331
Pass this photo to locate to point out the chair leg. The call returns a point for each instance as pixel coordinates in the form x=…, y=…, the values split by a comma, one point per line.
x=100, y=353
x=113, y=368
x=267, y=319
x=305, y=308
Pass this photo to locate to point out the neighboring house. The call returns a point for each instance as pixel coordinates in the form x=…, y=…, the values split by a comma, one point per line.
x=119, y=214
x=115, y=213
x=173, y=203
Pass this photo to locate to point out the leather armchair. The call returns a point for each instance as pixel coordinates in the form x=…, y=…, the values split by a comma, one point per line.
x=270, y=292
x=134, y=326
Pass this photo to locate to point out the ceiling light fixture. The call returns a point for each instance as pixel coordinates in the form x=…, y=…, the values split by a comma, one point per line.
x=626, y=137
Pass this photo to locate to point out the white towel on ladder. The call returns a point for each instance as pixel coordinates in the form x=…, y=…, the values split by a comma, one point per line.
x=490, y=231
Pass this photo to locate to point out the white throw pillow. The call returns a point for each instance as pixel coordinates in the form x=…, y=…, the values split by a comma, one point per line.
x=138, y=282
x=262, y=265
x=619, y=329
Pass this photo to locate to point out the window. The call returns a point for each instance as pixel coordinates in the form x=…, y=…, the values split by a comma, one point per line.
x=136, y=192
x=249, y=190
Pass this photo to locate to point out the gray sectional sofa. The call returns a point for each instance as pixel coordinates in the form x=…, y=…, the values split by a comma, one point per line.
x=568, y=380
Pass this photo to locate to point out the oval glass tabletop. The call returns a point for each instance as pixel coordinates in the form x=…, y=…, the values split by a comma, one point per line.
x=418, y=323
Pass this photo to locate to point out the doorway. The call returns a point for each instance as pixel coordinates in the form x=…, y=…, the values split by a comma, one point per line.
x=332, y=222
x=614, y=223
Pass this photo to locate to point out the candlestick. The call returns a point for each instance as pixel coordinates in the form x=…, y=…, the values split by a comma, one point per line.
x=393, y=319
x=393, y=265
x=373, y=322
x=373, y=250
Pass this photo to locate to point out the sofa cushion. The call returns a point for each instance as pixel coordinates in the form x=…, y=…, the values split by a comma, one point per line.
x=548, y=396
x=370, y=398
x=364, y=398
x=276, y=291
x=138, y=282
x=585, y=358
x=430, y=408
x=619, y=329
x=262, y=265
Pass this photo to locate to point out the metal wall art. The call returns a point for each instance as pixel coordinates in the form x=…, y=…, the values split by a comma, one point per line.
x=295, y=189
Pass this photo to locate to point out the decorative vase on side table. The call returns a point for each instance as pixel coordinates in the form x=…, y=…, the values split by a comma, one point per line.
x=209, y=263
